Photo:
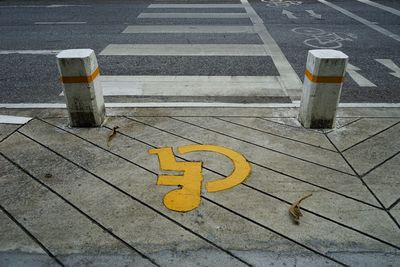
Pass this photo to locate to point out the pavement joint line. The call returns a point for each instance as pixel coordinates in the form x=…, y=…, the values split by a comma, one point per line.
x=319, y=186
x=394, y=204
x=276, y=232
x=365, y=184
x=8, y=135
x=380, y=164
x=344, y=125
x=195, y=105
x=329, y=219
x=265, y=193
x=380, y=6
x=73, y=205
x=283, y=124
x=259, y=165
x=31, y=236
x=277, y=135
x=362, y=20
x=311, y=130
x=270, y=149
x=371, y=136
x=96, y=145
x=126, y=193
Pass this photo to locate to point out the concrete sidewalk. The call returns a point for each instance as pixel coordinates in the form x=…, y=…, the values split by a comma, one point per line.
x=69, y=198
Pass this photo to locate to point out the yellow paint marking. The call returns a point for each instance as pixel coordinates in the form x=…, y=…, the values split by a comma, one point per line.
x=240, y=172
x=187, y=197
x=81, y=79
x=323, y=79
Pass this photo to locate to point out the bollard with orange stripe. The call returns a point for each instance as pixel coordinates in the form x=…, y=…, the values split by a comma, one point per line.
x=82, y=89
x=322, y=86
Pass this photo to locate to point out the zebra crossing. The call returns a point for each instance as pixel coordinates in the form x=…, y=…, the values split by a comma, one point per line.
x=286, y=84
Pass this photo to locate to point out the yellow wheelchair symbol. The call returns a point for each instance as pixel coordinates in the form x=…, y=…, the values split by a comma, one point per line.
x=187, y=196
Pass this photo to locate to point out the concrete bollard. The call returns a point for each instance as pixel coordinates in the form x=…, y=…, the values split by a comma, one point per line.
x=322, y=86
x=82, y=89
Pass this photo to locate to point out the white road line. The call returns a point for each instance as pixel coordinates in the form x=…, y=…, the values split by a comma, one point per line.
x=362, y=105
x=188, y=29
x=30, y=52
x=42, y=6
x=195, y=6
x=58, y=6
x=179, y=78
x=386, y=8
x=194, y=104
x=358, y=78
x=192, y=15
x=313, y=14
x=289, y=14
x=192, y=85
x=391, y=65
x=290, y=81
x=184, y=50
x=368, y=23
x=59, y=22
x=26, y=6
x=5, y=119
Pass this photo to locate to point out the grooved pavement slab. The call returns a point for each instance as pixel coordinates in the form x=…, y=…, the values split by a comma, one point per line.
x=83, y=201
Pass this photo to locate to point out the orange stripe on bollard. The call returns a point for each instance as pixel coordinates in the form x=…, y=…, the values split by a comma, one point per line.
x=322, y=79
x=82, y=79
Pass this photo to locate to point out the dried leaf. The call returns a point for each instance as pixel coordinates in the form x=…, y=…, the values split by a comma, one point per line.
x=112, y=135
x=294, y=209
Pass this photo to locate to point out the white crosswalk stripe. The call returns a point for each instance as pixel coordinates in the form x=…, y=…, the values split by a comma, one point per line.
x=203, y=85
x=184, y=50
x=188, y=29
x=195, y=6
x=192, y=15
x=192, y=85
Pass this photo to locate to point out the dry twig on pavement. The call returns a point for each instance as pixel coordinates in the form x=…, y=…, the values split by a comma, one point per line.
x=294, y=209
x=112, y=135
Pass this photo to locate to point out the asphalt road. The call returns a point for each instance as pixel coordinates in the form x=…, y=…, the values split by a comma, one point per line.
x=32, y=31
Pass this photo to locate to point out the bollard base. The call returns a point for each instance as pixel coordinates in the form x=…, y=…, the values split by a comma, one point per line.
x=85, y=119
x=318, y=124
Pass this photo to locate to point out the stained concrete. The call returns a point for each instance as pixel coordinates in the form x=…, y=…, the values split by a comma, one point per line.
x=264, y=126
x=395, y=211
x=374, y=151
x=358, y=131
x=7, y=129
x=22, y=250
x=384, y=181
